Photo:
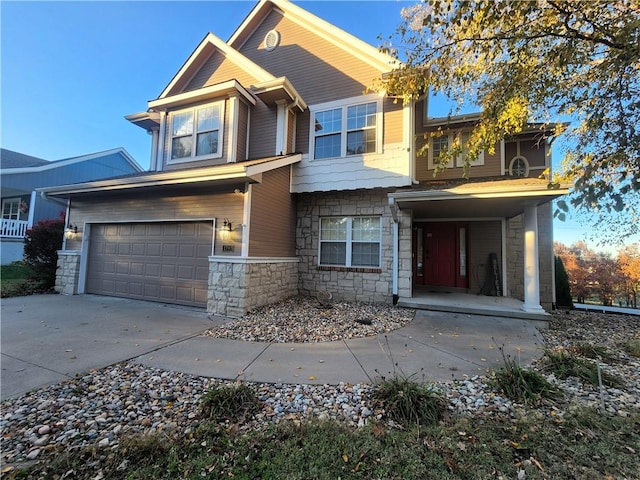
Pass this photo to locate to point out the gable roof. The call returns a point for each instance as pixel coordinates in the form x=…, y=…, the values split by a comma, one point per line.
x=66, y=161
x=337, y=36
x=10, y=159
x=207, y=47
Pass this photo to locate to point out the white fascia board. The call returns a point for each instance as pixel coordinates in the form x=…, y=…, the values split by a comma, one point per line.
x=202, y=94
x=72, y=161
x=254, y=170
x=284, y=83
x=452, y=194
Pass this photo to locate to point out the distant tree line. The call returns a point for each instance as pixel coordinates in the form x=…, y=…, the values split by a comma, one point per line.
x=601, y=277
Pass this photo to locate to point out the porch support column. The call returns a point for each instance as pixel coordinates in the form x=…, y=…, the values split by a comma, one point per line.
x=396, y=226
x=531, y=267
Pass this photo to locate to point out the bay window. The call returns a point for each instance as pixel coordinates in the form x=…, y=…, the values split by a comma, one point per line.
x=197, y=132
x=350, y=241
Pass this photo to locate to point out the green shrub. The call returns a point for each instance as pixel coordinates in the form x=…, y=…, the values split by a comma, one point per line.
x=409, y=403
x=563, y=288
x=40, y=250
x=229, y=402
x=563, y=364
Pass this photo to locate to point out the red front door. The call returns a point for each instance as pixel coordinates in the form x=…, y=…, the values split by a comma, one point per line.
x=440, y=254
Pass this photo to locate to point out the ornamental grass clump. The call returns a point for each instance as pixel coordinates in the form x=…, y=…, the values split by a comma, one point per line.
x=409, y=403
x=229, y=402
x=564, y=363
x=520, y=384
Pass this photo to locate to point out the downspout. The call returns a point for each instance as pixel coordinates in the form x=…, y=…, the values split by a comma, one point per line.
x=394, y=269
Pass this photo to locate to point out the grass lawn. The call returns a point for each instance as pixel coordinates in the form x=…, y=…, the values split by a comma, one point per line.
x=14, y=279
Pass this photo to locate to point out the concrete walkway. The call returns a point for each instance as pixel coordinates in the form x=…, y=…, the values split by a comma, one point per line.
x=49, y=338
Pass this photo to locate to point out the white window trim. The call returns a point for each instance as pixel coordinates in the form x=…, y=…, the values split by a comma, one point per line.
x=344, y=104
x=526, y=163
x=221, y=105
x=459, y=160
x=349, y=242
x=11, y=201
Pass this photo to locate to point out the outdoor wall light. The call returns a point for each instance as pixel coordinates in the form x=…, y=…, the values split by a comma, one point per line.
x=227, y=225
x=71, y=232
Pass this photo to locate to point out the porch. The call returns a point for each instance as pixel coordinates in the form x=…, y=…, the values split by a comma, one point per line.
x=425, y=298
x=13, y=228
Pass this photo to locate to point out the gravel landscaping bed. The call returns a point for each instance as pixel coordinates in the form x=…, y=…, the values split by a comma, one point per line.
x=305, y=319
x=100, y=407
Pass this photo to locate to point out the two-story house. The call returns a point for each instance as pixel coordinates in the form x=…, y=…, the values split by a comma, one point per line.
x=275, y=173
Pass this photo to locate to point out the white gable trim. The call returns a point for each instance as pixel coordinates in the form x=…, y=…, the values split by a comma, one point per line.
x=229, y=87
x=337, y=36
x=229, y=52
x=74, y=160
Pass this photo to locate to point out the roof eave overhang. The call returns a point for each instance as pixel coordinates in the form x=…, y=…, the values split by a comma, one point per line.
x=250, y=172
x=279, y=89
x=147, y=120
x=232, y=87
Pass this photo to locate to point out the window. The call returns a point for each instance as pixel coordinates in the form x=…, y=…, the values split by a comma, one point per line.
x=197, y=132
x=519, y=167
x=11, y=209
x=442, y=143
x=346, y=130
x=350, y=241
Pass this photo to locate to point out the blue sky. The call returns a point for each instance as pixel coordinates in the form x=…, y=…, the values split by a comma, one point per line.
x=70, y=71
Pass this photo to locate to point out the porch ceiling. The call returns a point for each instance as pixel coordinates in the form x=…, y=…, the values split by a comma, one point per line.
x=503, y=199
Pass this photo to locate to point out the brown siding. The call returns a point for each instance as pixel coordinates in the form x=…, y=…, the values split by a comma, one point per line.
x=243, y=124
x=262, y=135
x=291, y=131
x=491, y=167
x=302, y=132
x=392, y=121
x=532, y=150
x=485, y=238
x=163, y=206
x=318, y=69
x=218, y=69
x=273, y=216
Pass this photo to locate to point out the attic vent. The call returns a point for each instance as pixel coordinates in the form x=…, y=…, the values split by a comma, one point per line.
x=271, y=40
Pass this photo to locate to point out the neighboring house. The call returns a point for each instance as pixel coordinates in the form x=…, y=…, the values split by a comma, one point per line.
x=21, y=174
x=273, y=174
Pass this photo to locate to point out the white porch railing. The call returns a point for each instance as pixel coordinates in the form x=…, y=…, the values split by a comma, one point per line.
x=13, y=228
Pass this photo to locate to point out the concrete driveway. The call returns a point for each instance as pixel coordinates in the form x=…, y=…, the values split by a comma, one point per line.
x=49, y=338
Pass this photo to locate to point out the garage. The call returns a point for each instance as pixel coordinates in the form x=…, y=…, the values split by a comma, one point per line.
x=161, y=261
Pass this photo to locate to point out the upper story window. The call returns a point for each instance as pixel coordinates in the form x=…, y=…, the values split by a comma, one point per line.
x=439, y=144
x=350, y=241
x=345, y=128
x=197, y=132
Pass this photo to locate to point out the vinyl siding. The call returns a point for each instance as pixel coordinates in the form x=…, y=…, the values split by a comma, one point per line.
x=262, y=134
x=218, y=69
x=291, y=131
x=318, y=69
x=393, y=113
x=273, y=216
x=163, y=206
x=491, y=167
x=243, y=125
x=529, y=149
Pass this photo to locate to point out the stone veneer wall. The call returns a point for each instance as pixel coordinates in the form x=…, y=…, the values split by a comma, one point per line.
x=239, y=285
x=515, y=256
x=351, y=284
x=68, y=272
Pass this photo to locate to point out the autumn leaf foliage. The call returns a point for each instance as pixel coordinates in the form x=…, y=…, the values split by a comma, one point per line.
x=573, y=68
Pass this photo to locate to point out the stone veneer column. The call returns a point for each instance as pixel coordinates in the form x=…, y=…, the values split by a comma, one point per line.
x=238, y=285
x=68, y=272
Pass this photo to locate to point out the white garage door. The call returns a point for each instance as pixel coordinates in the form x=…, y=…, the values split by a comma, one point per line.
x=164, y=262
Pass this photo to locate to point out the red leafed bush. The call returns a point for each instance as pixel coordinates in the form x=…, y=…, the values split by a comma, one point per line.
x=42, y=242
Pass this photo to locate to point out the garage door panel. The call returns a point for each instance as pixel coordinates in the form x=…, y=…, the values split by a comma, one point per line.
x=165, y=262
